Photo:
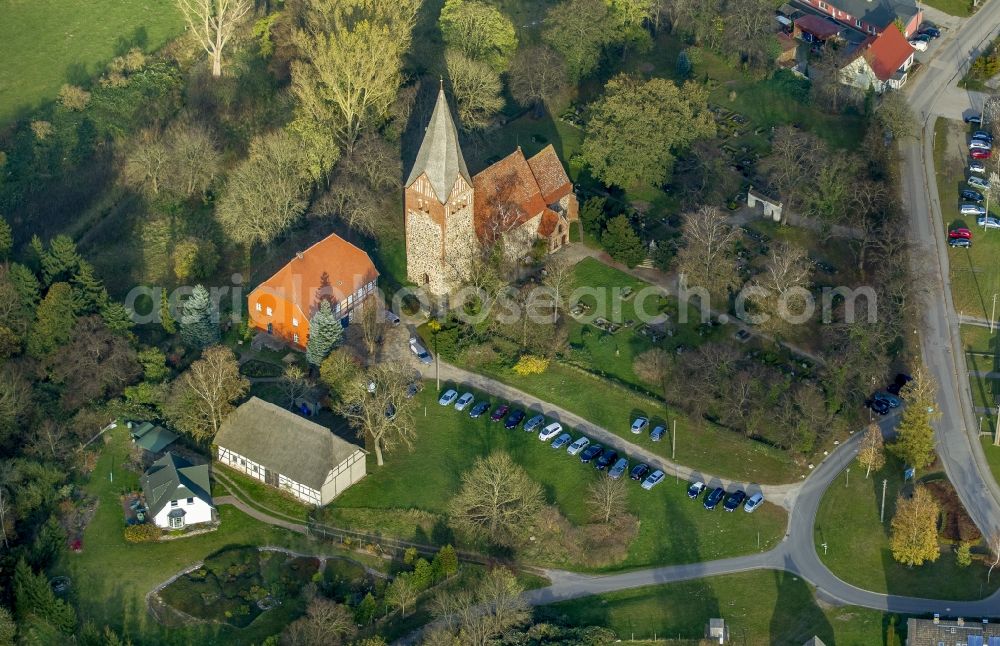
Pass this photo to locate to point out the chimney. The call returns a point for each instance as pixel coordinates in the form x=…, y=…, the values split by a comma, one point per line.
x=985, y=621
x=298, y=254
x=937, y=618
x=960, y=622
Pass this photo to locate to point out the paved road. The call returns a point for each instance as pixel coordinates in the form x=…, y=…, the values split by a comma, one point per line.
x=929, y=93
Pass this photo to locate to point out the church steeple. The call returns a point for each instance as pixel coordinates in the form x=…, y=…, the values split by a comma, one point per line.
x=440, y=157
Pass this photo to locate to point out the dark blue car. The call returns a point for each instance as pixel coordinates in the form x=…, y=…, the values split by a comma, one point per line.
x=479, y=409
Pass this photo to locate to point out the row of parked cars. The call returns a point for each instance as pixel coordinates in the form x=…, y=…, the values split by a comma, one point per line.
x=980, y=148
x=883, y=401
x=603, y=459
x=928, y=32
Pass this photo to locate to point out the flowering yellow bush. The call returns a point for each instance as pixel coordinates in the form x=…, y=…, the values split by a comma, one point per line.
x=529, y=364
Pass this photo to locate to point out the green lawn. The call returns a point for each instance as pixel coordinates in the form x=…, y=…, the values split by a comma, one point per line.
x=267, y=499
x=952, y=7
x=111, y=577
x=409, y=496
x=976, y=338
x=992, y=455
x=46, y=43
x=975, y=277
x=858, y=544
x=759, y=608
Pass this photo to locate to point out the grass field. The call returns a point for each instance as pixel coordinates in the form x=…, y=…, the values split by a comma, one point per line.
x=267, y=499
x=858, y=544
x=672, y=529
x=45, y=43
x=952, y=7
x=759, y=608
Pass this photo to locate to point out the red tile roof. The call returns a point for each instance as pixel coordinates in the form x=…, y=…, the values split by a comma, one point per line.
x=552, y=180
x=506, y=196
x=332, y=265
x=548, y=224
x=886, y=52
x=817, y=26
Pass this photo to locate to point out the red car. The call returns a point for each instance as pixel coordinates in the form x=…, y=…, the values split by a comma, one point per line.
x=960, y=233
x=976, y=153
x=500, y=413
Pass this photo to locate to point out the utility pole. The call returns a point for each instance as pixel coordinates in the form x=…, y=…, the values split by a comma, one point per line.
x=881, y=514
x=848, y=484
x=673, y=441
x=993, y=312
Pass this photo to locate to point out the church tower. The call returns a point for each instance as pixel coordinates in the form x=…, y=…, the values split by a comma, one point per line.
x=438, y=208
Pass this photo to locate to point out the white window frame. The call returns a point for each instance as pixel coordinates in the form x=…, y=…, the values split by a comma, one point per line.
x=270, y=312
x=295, y=322
x=823, y=6
x=858, y=23
x=257, y=306
x=176, y=522
x=295, y=338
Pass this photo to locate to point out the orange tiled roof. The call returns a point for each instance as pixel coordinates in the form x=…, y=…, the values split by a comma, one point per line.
x=507, y=196
x=548, y=224
x=332, y=265
x=886, y=52
x=550, y=175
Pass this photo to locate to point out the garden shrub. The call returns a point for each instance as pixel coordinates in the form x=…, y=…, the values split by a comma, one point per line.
x=530, y=364
x=145, y=533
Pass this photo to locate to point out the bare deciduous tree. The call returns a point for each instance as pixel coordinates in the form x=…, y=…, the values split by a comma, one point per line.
x=375, y=161
x=214, y=22
x=475, y=617
x=497, y=500
x=994, y=547
x=372, y=322
x=476, y=87
x=781, y=289
x=146, y=163
x=294, y=383
x=194, y=158
x=708, y=258
x=203, y=396
x=376, y=406
x=401, y=593
x=326, y=623
x=871, y=454
x=559, y=278
x=538, y=78
x=607, y=497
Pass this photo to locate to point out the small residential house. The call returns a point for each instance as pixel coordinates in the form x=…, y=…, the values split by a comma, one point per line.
x=289, y=452
x=150, y=438
x=871, y=16
x=961, y=632
x=177, y=493
x=881, y=62
x=332, y=269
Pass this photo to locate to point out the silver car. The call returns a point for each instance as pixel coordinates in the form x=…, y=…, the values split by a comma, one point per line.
x=657, y=434
x=753, y=502
x=621, y=466
x=464, y=401
x=971, y=209
x=580, y=444
x=978, y=182
x=977, y=167
x=562, y=441
x=550, y=431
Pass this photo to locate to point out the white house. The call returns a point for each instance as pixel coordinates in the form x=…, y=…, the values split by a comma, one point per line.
x=284, y=450
x=881, y=62
x=177, y=493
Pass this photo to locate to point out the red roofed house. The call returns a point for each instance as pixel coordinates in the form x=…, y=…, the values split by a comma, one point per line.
x=332, y=269
x=871, y=16
x=449, y=215
x=881, y=62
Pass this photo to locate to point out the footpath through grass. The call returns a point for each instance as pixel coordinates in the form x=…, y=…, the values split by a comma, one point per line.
x=409, y=496
x=857, y=544
x=45, y=43
x=759, y=608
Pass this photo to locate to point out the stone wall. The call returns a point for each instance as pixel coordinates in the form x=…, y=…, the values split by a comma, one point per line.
x=424, y=247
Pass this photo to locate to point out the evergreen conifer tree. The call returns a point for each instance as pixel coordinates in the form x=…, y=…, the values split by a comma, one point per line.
x=54, y=322
x=325, y=334
x=116, y=317
x=26, y=284
x=198, y=325
x=166, y=320
x=60, y=260
x=6, y=239
x=89, y=295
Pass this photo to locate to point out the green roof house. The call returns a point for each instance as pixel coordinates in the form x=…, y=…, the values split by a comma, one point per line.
x=177, y=492
x=152, y=438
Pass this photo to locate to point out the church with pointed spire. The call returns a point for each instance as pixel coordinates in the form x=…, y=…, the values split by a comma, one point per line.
x=450, y=215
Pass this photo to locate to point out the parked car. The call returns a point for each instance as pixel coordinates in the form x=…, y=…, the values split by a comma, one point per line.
x=921, y=37
x=753, y=502
x=562, y=441
x=734, y=500
x=448, y=398
x=652, y=480
x=580, y=444
x=550, y=431
x=657, y=433
x=619, y=469
x=464, y=401
x=639, y=471
x=413, y=389
x=591, y=452
x=977, y=167
x=880, y=406
x=713, y=499
x=960, y=232
x=919, y=45
x=982, y=134
x=479, y=410
x=513, y=419
x=988, y=222
x=889, y=398
x=972, y=196
x=500, y=412
x=961, y=243
x=534, y=424
x=695, y=490
x=971, y=209
x=978, y=182
x=639, y=425
x=980, y=144
x=932, y=32
x=979, y=153
x=606, y=460
x=973, y=118
x=420, y=351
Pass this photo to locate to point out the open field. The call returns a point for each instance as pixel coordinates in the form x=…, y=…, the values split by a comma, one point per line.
x=857, y=544
x=46, y=43
x=759, y=608
x=952, y=7
x=672, y=529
